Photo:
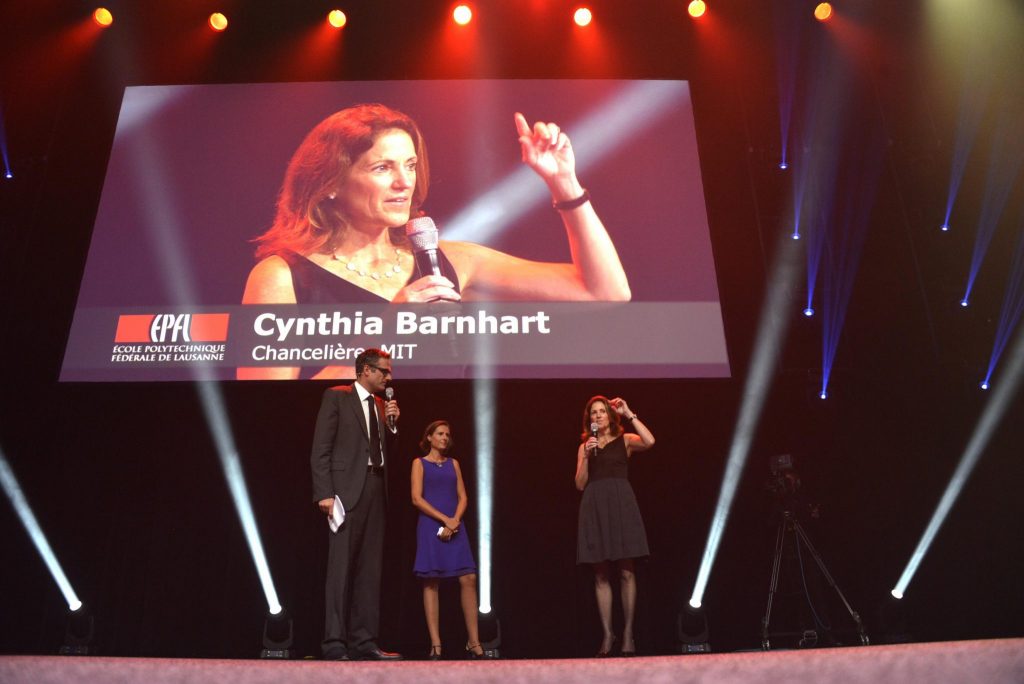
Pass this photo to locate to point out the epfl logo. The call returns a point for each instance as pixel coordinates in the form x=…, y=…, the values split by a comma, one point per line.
x=172, y=328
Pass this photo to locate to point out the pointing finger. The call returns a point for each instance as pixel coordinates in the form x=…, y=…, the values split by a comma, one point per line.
x=522, y=128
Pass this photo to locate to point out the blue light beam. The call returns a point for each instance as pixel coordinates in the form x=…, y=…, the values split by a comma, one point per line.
x=972, y=106
x=1004, y=165
x=845, y=244
x=3, y=145
x=1012, y=308
x=788, y=40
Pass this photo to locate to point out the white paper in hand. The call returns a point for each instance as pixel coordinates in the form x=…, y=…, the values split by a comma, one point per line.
x=337, y=514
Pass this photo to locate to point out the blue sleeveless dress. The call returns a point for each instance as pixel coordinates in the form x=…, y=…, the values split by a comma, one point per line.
x=436, y=558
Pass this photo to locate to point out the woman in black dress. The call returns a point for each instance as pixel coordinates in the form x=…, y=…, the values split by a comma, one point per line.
x=611, y=531
x=355, y=182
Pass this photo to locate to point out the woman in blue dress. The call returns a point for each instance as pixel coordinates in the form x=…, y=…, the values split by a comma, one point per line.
x=611, y=531
x=442, y=543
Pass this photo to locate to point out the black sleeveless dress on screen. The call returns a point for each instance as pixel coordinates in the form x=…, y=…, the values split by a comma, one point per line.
x=316, y=285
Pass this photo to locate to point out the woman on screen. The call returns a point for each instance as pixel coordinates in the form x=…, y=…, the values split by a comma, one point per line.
x=611, y=532
x=352, y=186
x=442, y=544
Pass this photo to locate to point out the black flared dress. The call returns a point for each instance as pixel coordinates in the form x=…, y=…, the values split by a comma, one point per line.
x=610, y=526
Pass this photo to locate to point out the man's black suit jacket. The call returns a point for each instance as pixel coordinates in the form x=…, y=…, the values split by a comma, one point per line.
x=341, y=446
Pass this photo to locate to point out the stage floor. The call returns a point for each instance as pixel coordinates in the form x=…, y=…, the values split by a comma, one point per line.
x=985, y=662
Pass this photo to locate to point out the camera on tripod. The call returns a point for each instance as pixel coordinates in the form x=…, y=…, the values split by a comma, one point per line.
x=784, y=485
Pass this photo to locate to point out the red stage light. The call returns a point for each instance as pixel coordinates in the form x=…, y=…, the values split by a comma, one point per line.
x=697, y=8
x=218, y=22
x=583, y=16
x=823, y=12
x=462, y=15
x=336, y=18
x=103, y=17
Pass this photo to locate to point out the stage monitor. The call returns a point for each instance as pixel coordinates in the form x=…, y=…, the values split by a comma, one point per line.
x=241, y=234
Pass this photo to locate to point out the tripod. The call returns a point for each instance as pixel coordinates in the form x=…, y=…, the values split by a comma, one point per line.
x=789, y=526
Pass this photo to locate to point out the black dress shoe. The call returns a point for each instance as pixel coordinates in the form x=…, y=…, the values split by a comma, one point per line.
x=378, y=654
x=336, y=655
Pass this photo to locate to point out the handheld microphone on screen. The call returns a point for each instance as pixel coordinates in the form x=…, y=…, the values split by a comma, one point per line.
x=422, y=234
x=593, y=433
x=389, y=394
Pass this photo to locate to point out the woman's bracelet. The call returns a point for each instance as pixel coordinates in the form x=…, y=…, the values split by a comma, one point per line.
x=567, y=205
x=633, y=417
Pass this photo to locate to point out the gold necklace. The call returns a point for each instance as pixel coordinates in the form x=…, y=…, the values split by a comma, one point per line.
x=389, y=272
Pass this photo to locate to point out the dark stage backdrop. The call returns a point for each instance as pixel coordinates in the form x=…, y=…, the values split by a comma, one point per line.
x=126, y=482
x=128, y=486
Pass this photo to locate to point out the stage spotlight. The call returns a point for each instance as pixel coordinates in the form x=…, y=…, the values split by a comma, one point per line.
x=771, y=334
x=783, y=165
x=218, y=22
x=964, y=302
x=897, y=594
x=692, y=630
x=277, y=636
x=103, y=17
x=336, y=18
x=11, y=487
x=891, y=622
x=808, y=312
x=697, y=8
x=996, y=407
x=78, y=633
x=8, y=174
x=795, y=236
x=823, y=12
x=944, y=227
x=984, y=384
x=823, y=395
x=490, y=634
x=583, y=16
x=462, y=15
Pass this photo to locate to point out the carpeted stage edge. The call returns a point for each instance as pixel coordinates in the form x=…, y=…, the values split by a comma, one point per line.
x=985, y=662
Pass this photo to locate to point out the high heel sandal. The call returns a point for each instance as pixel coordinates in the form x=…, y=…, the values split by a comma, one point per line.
x=435, y=652
x=472, y=654
x=611, y=647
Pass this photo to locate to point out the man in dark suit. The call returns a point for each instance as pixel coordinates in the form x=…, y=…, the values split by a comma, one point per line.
x=348, y=460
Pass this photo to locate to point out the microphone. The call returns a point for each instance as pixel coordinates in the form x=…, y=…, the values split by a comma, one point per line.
x=389, y=394
x=422, y=234
x=593, y=433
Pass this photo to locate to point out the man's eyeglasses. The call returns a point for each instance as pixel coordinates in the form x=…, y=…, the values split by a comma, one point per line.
x=383, y=371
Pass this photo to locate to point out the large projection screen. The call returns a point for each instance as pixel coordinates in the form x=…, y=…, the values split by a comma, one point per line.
x=196, y=170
